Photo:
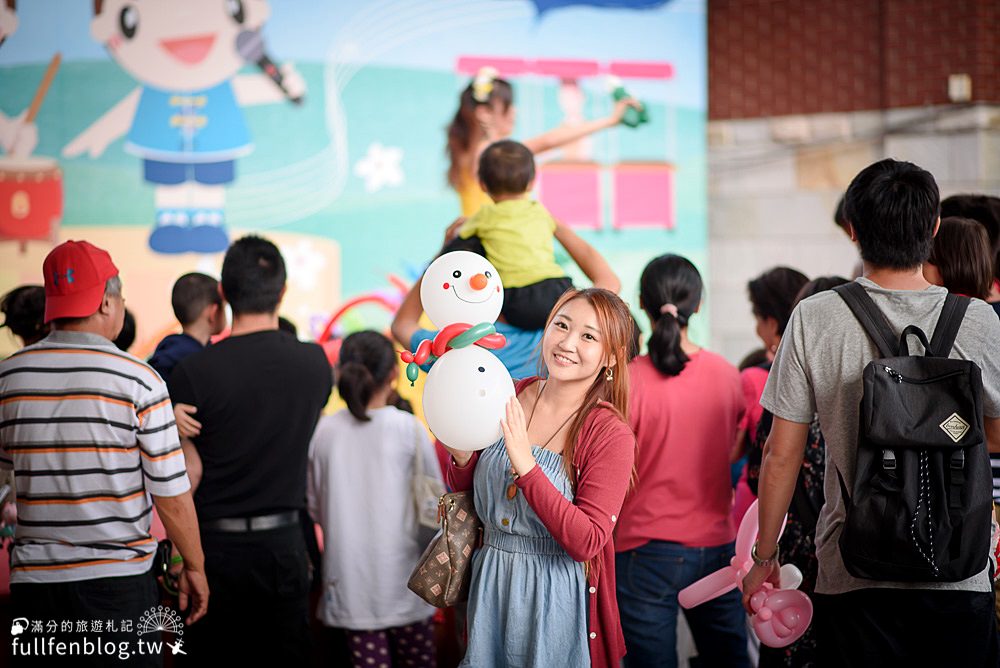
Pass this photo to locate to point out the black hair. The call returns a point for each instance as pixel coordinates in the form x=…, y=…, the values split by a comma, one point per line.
x=985, y=210
x=893, y=207
x=839, y=216
x=506, y=167
x=191, y=294
x=367, y=363
x=126, y=337
x=961, y=253
x=816, y=286
x=286, y=325
x=635, y=342
x=756, y=357
x=772, y=294
x=253, y=276
x=669, y=279
x=24, y=313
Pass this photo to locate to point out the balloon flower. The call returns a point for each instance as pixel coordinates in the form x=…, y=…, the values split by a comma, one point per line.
x=781, y=615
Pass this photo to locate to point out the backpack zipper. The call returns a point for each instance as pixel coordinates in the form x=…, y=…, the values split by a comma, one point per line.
x=900, y=378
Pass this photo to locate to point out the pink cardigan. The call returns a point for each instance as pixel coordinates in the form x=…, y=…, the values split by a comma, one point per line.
x=604, y=458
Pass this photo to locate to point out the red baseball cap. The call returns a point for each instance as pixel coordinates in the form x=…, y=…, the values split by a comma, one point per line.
x=76, y=273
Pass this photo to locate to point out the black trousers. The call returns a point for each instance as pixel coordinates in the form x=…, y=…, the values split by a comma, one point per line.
x=529, y=307
x=906, y=628
x=258, y=608
x=84, y=607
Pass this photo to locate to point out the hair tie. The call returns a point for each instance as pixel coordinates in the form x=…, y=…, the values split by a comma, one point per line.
x=482, y=85
x=669, y=308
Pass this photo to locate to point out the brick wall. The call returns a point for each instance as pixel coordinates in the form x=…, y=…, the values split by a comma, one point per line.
x=781, y=57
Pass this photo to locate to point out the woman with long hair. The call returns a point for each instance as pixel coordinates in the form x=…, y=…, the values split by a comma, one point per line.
x=485, y=114
x=675, y=526
x=549, y=495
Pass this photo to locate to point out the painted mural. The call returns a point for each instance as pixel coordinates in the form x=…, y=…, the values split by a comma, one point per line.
x=161, y=130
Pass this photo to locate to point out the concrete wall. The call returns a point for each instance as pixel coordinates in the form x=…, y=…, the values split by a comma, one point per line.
x=774, y=183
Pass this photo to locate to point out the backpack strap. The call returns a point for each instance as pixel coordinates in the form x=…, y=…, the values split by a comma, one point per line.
x=871, y=318
x=946, y=329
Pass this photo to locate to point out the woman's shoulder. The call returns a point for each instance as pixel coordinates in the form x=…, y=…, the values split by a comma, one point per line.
x=520, y=385
x=604, y=419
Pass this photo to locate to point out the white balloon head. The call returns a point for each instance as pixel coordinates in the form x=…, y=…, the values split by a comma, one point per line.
x=461, y=286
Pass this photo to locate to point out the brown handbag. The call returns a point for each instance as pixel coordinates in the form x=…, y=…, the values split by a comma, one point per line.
x=443, y=574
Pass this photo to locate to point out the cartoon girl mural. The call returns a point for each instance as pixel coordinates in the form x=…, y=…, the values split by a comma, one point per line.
x=17, y=137
x=185, y=119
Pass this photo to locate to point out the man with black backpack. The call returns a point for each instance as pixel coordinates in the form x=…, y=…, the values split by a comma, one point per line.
x=906, y=382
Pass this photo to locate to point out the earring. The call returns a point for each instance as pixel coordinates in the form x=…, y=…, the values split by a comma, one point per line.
x=609, y=375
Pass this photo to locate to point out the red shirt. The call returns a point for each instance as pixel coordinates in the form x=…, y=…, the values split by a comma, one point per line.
x=604, y=457
x=685, y=426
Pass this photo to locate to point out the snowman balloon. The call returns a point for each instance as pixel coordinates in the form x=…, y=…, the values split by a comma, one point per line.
x=467, y=388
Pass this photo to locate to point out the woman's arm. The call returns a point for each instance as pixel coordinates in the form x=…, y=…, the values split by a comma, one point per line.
x=568, y=134
x=461, y=468
x=407, y=318
x=590, y=261
x=584, y=526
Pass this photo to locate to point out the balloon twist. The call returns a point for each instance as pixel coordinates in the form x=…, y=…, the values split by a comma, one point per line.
x=454, y=336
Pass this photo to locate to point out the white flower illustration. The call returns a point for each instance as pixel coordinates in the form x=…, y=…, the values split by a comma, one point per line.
x=380, y=167
x=304, y=263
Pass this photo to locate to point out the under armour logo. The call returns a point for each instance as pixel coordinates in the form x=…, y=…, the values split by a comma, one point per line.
x=56, y=276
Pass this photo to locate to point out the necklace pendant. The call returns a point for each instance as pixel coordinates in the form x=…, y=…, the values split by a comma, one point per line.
x=511, y=491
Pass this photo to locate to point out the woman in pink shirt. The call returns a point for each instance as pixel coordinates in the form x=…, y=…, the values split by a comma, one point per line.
x=675, y=526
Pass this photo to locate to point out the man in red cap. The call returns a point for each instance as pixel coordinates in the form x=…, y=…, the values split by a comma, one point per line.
x=89, y=433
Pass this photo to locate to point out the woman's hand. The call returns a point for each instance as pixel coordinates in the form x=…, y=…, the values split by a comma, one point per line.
x=515, y=438
x=621, y=106
x=452, y=231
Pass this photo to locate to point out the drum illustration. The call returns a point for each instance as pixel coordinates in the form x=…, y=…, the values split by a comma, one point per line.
x=31, y=198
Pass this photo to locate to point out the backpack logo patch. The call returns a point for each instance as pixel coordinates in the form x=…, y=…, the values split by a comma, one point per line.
x=955, y=427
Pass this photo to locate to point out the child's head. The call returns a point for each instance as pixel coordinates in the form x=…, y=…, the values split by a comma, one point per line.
x=670, y=293
x=196, y=297
x=893, y=207
x=772, y=296
x=506, y=167
x=367, y=364
x=960, y=258
x=24, y=313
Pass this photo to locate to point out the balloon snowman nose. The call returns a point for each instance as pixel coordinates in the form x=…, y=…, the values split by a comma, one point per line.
x=478, y=282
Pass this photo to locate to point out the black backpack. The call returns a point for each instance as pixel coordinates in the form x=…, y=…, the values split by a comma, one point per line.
x=922, y=500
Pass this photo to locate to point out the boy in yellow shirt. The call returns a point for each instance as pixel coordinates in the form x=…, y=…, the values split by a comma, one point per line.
x=517, y=233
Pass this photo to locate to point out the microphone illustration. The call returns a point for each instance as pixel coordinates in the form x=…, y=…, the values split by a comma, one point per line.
x=250, y=46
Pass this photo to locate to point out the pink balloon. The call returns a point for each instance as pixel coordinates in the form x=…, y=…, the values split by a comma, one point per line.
x=782, y=615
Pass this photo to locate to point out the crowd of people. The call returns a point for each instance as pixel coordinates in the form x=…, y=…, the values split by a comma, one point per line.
x=620, y=479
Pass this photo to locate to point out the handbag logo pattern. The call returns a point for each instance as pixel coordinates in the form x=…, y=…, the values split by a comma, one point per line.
x=443, y=574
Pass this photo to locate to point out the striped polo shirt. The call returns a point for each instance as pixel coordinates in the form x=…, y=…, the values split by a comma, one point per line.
x=89, y=431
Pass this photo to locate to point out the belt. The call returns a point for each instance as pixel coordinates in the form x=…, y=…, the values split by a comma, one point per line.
x=256, y=523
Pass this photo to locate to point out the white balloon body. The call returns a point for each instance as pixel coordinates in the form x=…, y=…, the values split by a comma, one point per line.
x=461, y=287
x=465, y=395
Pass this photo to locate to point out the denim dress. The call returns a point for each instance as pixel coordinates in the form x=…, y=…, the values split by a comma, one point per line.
x=528, y=601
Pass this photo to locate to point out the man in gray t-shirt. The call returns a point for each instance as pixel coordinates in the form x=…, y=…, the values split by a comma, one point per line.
x=893, y=209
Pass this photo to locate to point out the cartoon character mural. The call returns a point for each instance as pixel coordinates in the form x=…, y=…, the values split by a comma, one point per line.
x=185, y=119
x=18, y=137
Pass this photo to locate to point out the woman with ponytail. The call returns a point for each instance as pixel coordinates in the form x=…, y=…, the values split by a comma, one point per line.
x=549, y=495
x=361, y=469
x=485, y=115
x=675, y=526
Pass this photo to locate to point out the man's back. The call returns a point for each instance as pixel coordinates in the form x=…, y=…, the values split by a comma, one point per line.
x=259, y=397
x=88, y=431
x=818, y=370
